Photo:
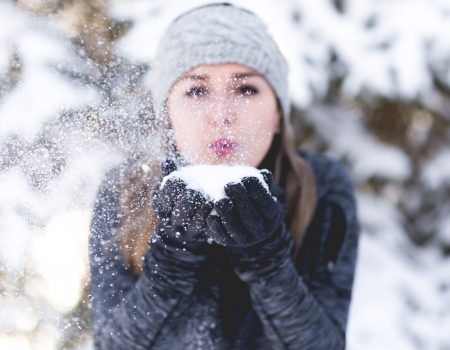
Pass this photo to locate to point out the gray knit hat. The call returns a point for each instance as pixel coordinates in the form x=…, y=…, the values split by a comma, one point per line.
x=217, y=33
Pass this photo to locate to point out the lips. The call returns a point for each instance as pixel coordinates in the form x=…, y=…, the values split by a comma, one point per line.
x=223, y=146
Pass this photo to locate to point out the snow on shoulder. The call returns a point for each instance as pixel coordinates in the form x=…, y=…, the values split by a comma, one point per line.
x=210, y=180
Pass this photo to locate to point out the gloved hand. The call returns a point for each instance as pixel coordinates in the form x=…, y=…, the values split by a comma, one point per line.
x=250, y=227
x=177, y=249
x=181, y=210
x=250, y=216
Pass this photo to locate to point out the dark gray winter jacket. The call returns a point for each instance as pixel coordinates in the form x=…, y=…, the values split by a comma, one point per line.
x=292, y=305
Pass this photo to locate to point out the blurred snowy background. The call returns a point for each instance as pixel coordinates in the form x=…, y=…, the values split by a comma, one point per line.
x=370, y=83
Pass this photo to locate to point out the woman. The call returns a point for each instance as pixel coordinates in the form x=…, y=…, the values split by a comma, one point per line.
x=270, y=270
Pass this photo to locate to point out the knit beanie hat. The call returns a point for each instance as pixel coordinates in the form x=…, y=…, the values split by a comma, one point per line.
x=217, y=33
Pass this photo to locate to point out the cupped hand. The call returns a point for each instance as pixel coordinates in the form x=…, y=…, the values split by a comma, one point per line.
x=182, y=211
x=249, y=214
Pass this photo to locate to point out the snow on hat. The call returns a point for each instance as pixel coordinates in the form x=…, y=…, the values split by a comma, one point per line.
x=217, y=33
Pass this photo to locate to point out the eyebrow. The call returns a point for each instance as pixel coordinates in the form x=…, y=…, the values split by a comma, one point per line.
x=245, y=75
x=205, y=77
x=195, y=77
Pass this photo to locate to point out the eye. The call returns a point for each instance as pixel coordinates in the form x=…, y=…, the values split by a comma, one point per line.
x=248, y=90
x=196, y=91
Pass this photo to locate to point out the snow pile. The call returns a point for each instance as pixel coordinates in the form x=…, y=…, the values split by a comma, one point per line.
x=210, y=180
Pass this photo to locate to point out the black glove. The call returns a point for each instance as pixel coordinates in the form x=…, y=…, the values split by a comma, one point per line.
x=251, y=228
x=250, y=215
x=177, y=248
x=182, y=211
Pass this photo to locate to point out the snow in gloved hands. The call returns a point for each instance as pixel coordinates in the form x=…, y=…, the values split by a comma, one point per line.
x=210, y=180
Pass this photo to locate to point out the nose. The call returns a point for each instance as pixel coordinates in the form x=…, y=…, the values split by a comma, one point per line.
x=222, y=111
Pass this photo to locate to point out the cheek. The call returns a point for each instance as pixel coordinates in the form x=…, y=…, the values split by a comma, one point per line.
x=186, y=131
x=261, y=116
x=177, y=113
x=260, y=125
x=187, y=126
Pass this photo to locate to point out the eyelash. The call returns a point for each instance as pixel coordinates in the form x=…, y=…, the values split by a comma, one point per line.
x=245, y=88
x=199, y=91
x=192, y=92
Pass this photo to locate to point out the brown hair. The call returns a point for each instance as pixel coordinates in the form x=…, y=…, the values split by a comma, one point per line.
x=290, y=171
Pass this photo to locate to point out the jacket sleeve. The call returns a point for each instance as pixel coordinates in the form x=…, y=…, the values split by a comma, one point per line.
x=127, y=312
x=305, y=304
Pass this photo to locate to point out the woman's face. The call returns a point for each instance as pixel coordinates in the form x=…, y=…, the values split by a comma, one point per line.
x=223, y=114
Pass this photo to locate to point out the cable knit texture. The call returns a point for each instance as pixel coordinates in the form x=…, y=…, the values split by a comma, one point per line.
x=233, y=35
x=231, y=302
